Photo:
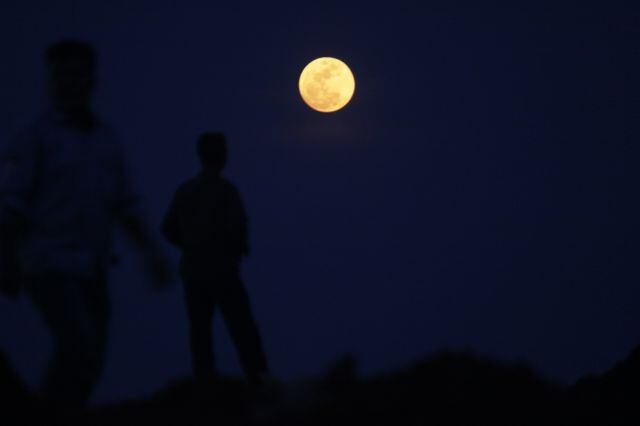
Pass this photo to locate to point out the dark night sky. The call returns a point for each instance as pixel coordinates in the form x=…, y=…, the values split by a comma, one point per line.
x=480, y=190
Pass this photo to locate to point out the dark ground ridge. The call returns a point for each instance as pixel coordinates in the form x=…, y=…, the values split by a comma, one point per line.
x=450, y=388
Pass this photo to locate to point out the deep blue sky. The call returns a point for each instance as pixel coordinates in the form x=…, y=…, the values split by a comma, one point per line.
x=480, y=190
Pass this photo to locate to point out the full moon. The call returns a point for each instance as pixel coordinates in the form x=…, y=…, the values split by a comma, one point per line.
x=326, y=84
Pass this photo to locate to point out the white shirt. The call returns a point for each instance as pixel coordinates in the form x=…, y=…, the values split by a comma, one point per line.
x=70, y=189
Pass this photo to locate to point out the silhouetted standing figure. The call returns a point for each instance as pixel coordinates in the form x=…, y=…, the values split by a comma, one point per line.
x=63, y=191
x=207, y=221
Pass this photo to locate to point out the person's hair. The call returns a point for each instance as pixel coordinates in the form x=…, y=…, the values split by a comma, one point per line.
x=212, y=150
x=70, y=50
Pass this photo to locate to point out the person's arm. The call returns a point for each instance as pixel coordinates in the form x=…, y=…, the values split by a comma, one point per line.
x=127, y=208
x=136, y=228
x=17, y=185
x=17, y=181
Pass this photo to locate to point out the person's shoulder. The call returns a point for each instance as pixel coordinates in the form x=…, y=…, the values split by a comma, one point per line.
x=107, y=133
x=187, y=186
x=229, y=188
x=26, y=137
x=231, y=192
x=227, y=185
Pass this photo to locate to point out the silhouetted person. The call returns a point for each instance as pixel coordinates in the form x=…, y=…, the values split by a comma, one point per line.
x=64, y=189
x=207, y=221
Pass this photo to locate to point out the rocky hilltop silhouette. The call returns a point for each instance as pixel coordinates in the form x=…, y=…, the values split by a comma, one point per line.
x=446, y=389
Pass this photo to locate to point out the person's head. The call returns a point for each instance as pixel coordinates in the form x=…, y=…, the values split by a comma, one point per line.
x=71, y=69
x=212, y=151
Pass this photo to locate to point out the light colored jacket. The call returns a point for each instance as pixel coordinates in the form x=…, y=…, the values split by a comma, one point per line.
x=68, y=189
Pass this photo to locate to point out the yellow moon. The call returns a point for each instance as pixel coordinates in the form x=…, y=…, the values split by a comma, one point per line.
x=326, y=84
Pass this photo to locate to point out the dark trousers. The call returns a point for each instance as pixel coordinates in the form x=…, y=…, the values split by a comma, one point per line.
x=225, y=291
x=76, y=311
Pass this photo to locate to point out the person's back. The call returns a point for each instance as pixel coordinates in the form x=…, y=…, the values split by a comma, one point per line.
x=210, y=225
x=207, y=221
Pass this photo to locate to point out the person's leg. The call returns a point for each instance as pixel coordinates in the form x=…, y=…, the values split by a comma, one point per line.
x=76, y=312
x=200, y=308
x=236, y=310
x=99, y=310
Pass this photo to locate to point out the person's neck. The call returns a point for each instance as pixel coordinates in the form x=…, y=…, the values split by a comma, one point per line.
x=210, y=172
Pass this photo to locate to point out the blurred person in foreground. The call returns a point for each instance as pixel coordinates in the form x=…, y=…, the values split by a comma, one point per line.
x=63, y=192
